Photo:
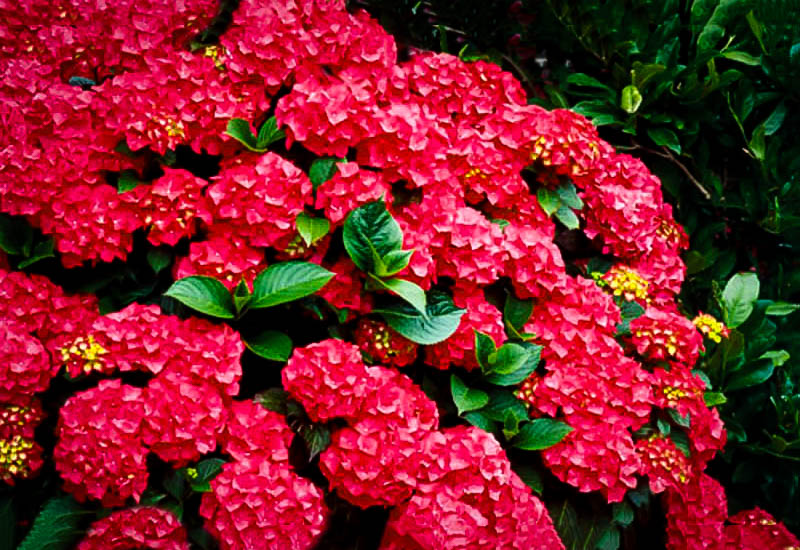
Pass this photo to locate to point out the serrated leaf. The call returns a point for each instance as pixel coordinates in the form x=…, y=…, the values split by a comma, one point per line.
x=370, y=232
x=440, y=321
x=500, y=402
x=738, y=298
x=509, y=358
x=322, y=170
x=273, y=399
x=778, y=309
x=317, y=438
x=484, y=347
x=159, y=259
x=541, y=433
x=522, y=372
x=665, y=138
x=566, y=216
x=631, y=99
x=240, y=130
x=408, y=291
x=204, y=294
x=394, y=262
x=466, y=399
x=287, y=281
x=56, y=527
x=268, y=134
x=311, y=229
x=548, y=200
x=270, y=344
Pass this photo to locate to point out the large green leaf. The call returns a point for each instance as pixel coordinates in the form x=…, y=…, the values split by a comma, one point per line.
x=204, y=294
x=440, y=321
x=466, y=399
x=371, y=233
x=57, y=527
x=270, y=344
x=408, y=291
x=268, y=134
x=311, y=229
x=322, y=170
x=516, y=312
x=287, y=281
x=514, y=363
x=240, y=130
x=541, y=433
x=752, y=375
x=738, y=298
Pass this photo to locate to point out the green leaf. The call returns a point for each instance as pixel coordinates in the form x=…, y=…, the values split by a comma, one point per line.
x=566, y=216
x=779, y=309
x=641, y=74
x=268, y=134
x=57, y=527
x=440, y=321
x=509, y=358
x=758, y=143
x=517, y=312
x=500, y=402
x=581, y=79
x=738, y=298
x=273, y=399
x=757, y=373
x=548, y=200
x=16, y=236
x=270, y=344
x=41, y=251
x=159, y=259
x=622, y=513
x=665, y=138
x=204, y=294
x=631, y=310
x=466, y=399
x=778, y=357
x=240, y=130
x=127, y=180
x=311, y=229
x=287, y=281
x=541, y=433
x=568, y=195
x=663, y=426
x=394, y=262
x=321, y=171
x=521, y=371
x=714, y=398
x=530, y=476
x=317, y=438
x=683, y=421
x=200, y=476
x=775, y=120
x=479, y=420
x=609, y=540
x=484, y=348
x=631, y=99
x=742, y=57
x=370, y=232
x=408, y=291
x=241, y=296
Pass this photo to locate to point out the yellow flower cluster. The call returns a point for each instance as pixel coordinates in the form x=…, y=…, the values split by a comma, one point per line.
x=624, y=282
x=14, y=457
x=86, y=349
x=709, y=326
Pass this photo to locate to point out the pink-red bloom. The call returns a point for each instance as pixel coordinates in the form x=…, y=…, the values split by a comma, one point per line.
x=142, y=526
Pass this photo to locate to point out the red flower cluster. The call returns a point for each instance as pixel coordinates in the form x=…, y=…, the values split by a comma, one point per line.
x=383, y=344
x=134, y=528
x=757, y=530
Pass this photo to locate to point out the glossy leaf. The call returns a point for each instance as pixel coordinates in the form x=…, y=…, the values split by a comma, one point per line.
x=204, y=294
x=287, y=281
x=466, y=399
x=270, y=344
x=440, y=321
x=311, y=229
x=738, y=298
x=541, y=433
x=370, y=232
x=408, y=291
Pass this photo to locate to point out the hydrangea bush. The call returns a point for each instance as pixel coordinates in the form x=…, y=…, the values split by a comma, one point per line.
x=392, y=276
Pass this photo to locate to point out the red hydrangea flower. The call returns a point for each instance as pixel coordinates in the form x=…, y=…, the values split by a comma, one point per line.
x=383, y=344
x=20, y=458
x=139, y=527
x=464, y=503
x=256, y=503
x=184, y=417
x=260, y=203
x=348, y=189
x=328, y=378
x=227, y=259
x=664, y=335
x=345, y=289
x=171, y=205
x=253, y=430
x=482, y=316
x=20, y=419
x=25, y=366
x=99, y=453
x=696, y=514
x=663, y=463
x=757, y=530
